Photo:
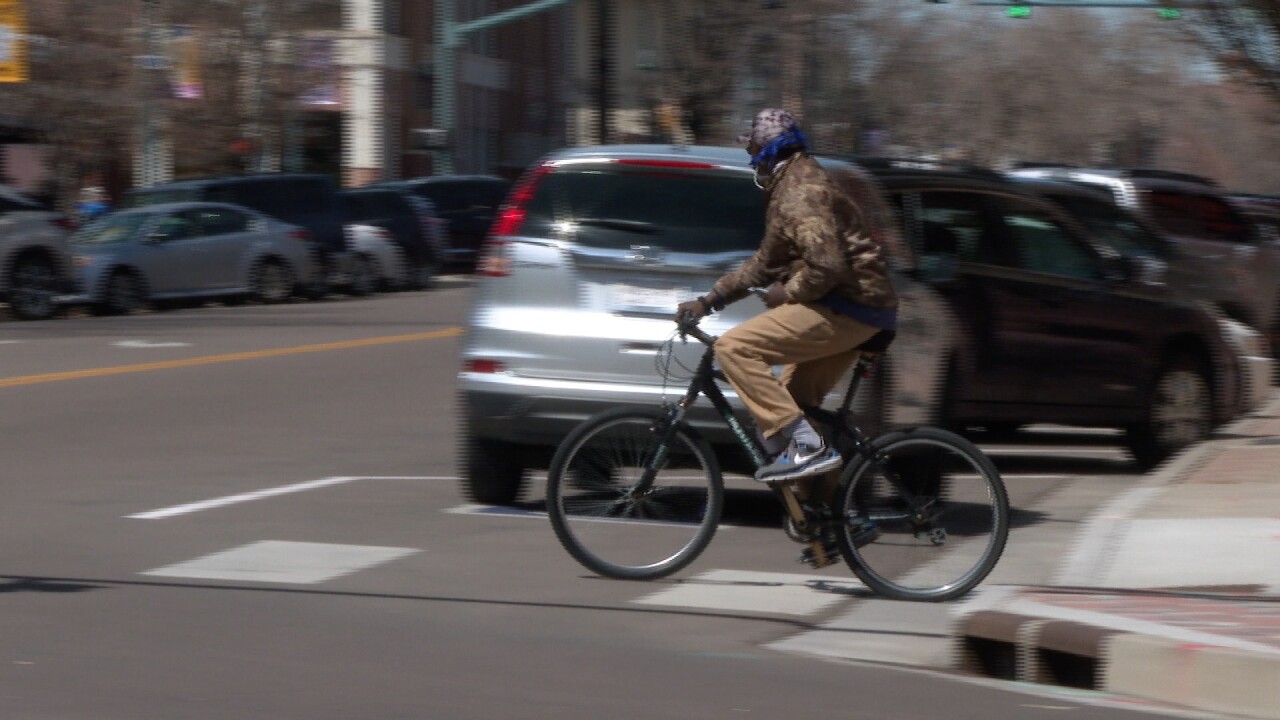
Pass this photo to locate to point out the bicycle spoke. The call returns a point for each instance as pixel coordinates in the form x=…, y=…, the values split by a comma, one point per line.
x=939, y=538
x=612, y=517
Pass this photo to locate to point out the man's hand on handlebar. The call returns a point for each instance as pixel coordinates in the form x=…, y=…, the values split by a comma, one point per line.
x=692, y=310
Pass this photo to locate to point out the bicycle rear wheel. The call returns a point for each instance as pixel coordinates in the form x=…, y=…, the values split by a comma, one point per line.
x=954, y=539
x=613, y=520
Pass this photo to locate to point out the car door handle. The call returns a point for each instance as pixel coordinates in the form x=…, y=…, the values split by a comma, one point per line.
x=640, y=348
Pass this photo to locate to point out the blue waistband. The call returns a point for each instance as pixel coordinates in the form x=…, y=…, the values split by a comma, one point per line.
x=882, y=318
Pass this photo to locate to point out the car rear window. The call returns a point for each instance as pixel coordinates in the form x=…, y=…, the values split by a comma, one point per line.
x=1198, y=215
x=680, y=211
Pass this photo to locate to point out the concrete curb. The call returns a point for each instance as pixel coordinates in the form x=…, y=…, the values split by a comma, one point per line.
x=1206, y=677
x=1025, y=648
x=1002, y=635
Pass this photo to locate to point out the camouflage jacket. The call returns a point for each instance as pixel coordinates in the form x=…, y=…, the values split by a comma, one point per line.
x=815, y=242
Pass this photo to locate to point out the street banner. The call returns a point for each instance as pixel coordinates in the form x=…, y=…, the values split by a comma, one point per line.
x=13, y=41
x=319, y=73
x=184, y=55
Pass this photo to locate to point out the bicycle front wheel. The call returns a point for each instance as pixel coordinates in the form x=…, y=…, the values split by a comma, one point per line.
x=936, y=533
x=633, y=498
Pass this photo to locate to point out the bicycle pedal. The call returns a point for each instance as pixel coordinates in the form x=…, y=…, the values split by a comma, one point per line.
x=818, y=555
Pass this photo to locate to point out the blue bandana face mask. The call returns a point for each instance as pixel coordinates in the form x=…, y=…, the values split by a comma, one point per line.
x=776, y=145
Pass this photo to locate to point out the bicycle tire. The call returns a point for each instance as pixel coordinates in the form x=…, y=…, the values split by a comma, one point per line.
x=601, y=521
x=902, y=557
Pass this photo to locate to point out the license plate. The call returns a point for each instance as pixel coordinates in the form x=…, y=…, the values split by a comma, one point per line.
x=635, y=298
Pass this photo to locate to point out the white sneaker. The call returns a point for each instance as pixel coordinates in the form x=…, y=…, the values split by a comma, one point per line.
x=800, y=460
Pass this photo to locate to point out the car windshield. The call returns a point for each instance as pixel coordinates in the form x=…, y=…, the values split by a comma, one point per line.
x=111, y=229
x=680, y=211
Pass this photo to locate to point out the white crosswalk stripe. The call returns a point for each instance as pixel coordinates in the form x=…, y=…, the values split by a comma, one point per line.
x=761, y=592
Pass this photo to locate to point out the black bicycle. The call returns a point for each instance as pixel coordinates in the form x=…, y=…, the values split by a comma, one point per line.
x=917, y=514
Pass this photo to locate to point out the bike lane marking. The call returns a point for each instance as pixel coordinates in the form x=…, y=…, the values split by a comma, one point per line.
x=226, y=500
x=226, y=357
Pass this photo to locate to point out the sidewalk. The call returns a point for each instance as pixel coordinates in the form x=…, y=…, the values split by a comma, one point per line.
x=1170, y=593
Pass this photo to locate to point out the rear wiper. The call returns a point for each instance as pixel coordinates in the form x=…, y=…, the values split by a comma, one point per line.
x=635, y=226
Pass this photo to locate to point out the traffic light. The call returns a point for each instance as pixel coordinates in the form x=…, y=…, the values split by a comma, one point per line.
x=1018, y=11
x=1168, y=13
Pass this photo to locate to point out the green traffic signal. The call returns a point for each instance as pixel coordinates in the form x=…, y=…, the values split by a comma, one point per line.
x=1169, y=13
x=1019, y=11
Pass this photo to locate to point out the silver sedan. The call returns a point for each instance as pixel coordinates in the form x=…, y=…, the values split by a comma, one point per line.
x=188, y=251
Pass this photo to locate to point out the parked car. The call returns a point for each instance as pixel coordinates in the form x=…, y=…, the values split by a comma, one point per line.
x=34, y=266
x=467, y=203
x=309, y=201
x=181, y=251
x=1240, y=272
x=1010, y=314
x=408, y=221
x=385, y=266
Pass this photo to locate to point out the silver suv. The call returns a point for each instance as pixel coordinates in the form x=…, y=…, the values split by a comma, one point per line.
x=1236, y=266
x=577, y=287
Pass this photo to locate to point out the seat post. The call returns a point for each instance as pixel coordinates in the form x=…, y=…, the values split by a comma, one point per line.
x=863, y=367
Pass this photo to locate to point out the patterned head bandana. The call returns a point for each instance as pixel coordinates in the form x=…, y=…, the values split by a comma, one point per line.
x=772, y=130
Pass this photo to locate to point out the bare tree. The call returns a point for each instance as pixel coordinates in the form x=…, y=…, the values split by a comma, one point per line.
x=78, y=95
x=1244, y=35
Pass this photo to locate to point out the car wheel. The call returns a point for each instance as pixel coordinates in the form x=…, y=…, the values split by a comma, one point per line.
x=33, y=284
x=494, y=474
x=1178, y=413
x=271, y=282
x=123, y=294
x=364, y=276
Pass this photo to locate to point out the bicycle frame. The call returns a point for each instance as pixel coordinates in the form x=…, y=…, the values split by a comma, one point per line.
x=847, y=435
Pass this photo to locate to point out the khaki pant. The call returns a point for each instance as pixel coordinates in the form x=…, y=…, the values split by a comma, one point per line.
x=815, y=343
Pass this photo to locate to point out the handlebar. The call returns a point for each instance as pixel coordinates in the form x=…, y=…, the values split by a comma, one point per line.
x=687, y=326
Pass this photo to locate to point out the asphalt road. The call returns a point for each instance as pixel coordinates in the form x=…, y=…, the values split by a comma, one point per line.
x=252, y=513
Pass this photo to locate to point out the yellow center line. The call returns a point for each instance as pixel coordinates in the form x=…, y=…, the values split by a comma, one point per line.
x=229, y=357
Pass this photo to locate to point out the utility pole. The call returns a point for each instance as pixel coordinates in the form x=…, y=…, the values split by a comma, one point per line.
x=153, y=167
x=256, y=68
x=449, y=34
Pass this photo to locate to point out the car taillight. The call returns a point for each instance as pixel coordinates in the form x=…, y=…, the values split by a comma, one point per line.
x=300, y=234
x=494, y=254
x=480, y=365
x=65, y=223
x=512, y=215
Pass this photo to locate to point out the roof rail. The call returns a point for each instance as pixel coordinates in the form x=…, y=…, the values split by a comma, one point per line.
x=878, y=162
x=1037, y=164
x=1157, y=174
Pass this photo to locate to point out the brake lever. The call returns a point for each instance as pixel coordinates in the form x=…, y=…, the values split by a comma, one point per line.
x=683, y=323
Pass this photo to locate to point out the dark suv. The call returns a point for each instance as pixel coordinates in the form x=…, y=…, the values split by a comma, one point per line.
x=408, y=219
x=1011, y=313
x=1239, y=271
x=1058, y=325
x=307, y=200
x=468, y=203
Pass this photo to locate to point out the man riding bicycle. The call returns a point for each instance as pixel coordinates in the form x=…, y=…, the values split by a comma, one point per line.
x=828, y=293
